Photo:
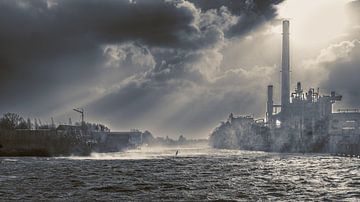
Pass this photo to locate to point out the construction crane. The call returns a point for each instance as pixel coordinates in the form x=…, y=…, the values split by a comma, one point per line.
x=81, y=111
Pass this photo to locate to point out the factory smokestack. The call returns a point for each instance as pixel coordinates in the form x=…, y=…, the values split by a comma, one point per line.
x=285, y=68
x=270, y=104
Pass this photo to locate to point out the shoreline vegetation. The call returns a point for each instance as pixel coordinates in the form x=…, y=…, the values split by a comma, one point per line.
x=20, y=137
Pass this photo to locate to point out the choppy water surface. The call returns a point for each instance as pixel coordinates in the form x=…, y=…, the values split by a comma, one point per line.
x=196, y=174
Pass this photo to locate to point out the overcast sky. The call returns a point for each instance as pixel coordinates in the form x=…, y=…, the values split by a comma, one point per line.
x=169, y=66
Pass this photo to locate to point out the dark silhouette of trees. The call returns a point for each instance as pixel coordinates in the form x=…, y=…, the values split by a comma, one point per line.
x=12, y=121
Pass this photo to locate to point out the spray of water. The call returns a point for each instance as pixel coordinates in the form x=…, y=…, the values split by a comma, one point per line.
x=148, y=152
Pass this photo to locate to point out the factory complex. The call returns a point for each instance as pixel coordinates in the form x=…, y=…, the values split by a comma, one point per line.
x=303, y=122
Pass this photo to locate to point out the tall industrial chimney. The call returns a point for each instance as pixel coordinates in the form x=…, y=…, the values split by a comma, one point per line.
x=269, y=104
x=285, y=68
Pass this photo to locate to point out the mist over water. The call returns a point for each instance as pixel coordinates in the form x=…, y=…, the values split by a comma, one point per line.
x=196, y=173
x=146, y=152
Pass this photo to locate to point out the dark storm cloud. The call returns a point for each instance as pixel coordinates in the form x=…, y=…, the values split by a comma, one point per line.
x=48, y=47
x=152, y=21
x=32, y=32
x=152, y=52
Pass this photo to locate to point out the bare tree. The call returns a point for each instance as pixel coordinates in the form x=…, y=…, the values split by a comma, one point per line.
x=11, y=121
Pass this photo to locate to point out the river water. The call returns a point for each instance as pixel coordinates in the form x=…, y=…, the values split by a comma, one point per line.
x=199, y=174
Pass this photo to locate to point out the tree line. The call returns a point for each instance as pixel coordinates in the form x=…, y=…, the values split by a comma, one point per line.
x=13, y=121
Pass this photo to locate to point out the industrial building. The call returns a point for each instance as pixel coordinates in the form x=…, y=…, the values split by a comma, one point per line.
x=304, y=121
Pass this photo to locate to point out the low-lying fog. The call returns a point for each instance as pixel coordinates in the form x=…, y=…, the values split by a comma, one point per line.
x=151, y=152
